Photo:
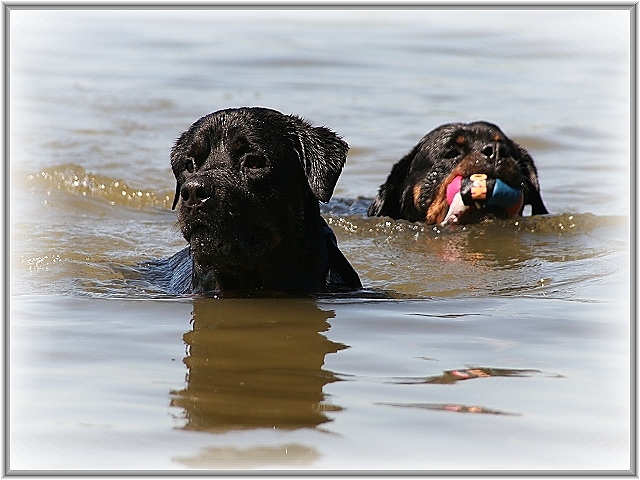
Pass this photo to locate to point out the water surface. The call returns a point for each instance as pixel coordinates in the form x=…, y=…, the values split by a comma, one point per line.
x=501, y=346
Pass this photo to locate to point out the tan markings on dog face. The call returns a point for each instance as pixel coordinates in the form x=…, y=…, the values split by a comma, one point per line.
x=417, y=191
x=461, y=139
x=437, y=210
x=439, y=206
x=497, y=138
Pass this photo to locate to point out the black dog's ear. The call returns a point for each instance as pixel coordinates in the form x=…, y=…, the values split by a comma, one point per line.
x=323, y=154
x=532, y=195
x=178, y=163
x=176, y=196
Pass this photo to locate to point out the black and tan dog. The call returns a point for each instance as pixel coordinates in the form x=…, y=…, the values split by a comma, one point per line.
x=461, y=173
x=248, y=185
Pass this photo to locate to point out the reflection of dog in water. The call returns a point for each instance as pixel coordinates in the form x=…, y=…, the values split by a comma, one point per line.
x=256, y=364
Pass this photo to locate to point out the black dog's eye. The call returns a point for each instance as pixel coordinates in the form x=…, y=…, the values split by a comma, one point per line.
x=198, y=153
x=254, y=162
x=191, y=165
x=453, y=153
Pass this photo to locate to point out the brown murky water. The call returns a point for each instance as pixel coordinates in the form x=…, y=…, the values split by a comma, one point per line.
x=502, y=346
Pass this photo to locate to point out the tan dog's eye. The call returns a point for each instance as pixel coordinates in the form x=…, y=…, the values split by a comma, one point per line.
x=453, y=153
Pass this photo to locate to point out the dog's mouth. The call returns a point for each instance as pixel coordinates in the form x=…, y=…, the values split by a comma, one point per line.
x=235, y=245
x=479, y=196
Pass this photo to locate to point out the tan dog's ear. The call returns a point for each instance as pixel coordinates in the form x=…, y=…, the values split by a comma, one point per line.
x=532, y=191
x=388, y=201
x=323, y=155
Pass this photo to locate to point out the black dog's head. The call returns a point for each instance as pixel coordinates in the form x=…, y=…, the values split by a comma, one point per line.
x=248, y=185
x=416, y=188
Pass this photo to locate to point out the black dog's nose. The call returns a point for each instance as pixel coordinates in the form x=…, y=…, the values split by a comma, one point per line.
x=495, y=150
x=195, y=192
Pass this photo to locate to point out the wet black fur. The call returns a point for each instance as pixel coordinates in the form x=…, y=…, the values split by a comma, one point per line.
x=248, y=182
x=436, y=155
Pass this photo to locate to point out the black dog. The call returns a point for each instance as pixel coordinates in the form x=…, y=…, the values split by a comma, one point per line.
x=461, y=173
x=248, y=185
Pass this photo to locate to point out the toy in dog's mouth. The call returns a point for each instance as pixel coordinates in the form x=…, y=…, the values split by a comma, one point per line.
x=474, y=197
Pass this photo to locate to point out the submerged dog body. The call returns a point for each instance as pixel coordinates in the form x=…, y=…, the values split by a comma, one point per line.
x=476, y=160
x=248, y=185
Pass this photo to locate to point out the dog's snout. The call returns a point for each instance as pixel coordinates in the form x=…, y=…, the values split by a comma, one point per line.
x=495, y=150
x=195, y=192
